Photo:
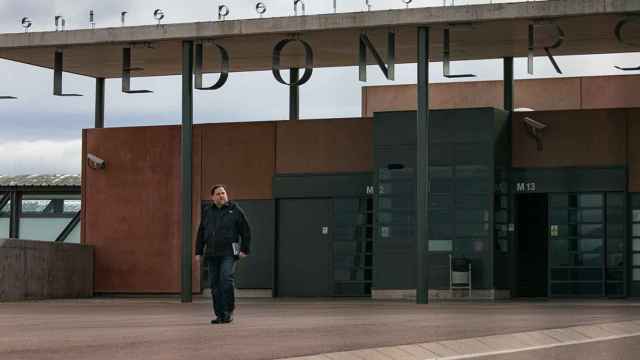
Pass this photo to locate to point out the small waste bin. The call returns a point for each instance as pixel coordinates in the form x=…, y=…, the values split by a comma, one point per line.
x=460, y=273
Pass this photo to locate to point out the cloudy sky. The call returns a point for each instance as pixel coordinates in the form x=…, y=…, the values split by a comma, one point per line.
x=40, y=133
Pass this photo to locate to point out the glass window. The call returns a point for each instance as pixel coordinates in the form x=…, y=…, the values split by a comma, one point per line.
x=636, y=230
x=559, y=216
x=590, y=245
x=615, y=215
x=472, y=201
x=591, y=216
x=636, y=215
x=441, y=230
x=590, y=200
x=615, y=245
x=440, y=200
x=441, y=185
x=440, y=245
x=440, y=216
x=471, y=230
x=559, y=245
x=501, y=216
x=445, y=172
x=37, y=206
x=589, y=260
x=636, y=274
x=558, y=200
x=636, y=244
x=636, y=259
x=615, y=259
x=615, y=200
x=592, y=230
x=471, y=216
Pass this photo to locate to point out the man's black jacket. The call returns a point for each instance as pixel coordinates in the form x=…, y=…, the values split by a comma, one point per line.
x=219, y=227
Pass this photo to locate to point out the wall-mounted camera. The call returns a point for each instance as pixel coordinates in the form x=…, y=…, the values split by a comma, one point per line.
x=95, y=162
x=535, y=128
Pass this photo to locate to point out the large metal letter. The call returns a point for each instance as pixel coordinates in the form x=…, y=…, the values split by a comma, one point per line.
x=446, y=70
x=422, y=177
x=618, y=32
x=547, y=49
x=308, y=67
x=126, y=73
x=224, y=67
x=387, y=70
x=187, y=153
x=57, y=75
x=294, y=95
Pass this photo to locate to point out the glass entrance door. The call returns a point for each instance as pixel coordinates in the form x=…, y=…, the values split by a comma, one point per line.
x=580, y=227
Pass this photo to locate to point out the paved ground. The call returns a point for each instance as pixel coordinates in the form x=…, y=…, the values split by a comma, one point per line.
x=269, y=329
x=620, y=349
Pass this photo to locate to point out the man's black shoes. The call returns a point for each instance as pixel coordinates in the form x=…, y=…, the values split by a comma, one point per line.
x=224, y=320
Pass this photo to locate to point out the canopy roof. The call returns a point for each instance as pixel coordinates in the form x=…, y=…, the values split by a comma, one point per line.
x=478, y=32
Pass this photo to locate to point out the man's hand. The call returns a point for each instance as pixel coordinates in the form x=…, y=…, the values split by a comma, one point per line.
x=242, y=255
x=198, y=258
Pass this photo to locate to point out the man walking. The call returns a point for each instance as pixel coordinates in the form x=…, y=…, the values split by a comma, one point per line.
x=223, y=237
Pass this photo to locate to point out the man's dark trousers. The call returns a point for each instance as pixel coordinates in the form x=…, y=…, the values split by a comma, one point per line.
x=221, y=281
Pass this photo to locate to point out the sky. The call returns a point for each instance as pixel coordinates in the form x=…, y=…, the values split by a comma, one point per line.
x=41, y=133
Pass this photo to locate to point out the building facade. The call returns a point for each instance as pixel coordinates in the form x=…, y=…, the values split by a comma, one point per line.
x=544, y=203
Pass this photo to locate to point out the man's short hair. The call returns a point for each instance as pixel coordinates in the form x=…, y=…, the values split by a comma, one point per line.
x=215, y=187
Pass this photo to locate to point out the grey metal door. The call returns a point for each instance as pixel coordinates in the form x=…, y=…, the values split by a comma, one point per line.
x=304, y=244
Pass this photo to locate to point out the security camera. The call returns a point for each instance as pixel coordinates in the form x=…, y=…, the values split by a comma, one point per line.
x=535, y=128
x=534, y=124
x=95, y=162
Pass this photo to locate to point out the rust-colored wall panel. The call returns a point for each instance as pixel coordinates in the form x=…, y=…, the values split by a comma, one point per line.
x=441, y=96
x=132, y=209
x=633, y=124
x=572, y=138
x=325, y=146
x=547, y=94
x=600, y=92
x=242, y=156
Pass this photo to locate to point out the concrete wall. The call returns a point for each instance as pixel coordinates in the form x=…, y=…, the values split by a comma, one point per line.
x=43, y=270
x=598, y=92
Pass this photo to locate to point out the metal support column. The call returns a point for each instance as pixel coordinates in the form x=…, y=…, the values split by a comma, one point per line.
x=187, y=123
x=294, y=94
x=16, y=209
x=99, y=118
x=508, y=83
x=422, y=178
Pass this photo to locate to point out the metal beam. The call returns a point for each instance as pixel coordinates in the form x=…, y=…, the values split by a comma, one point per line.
x=422, y=178
x=99, y=117
x=14, y=220
x=69, y=228
x=294, y=94
x=186, y=146
x=507, y=66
